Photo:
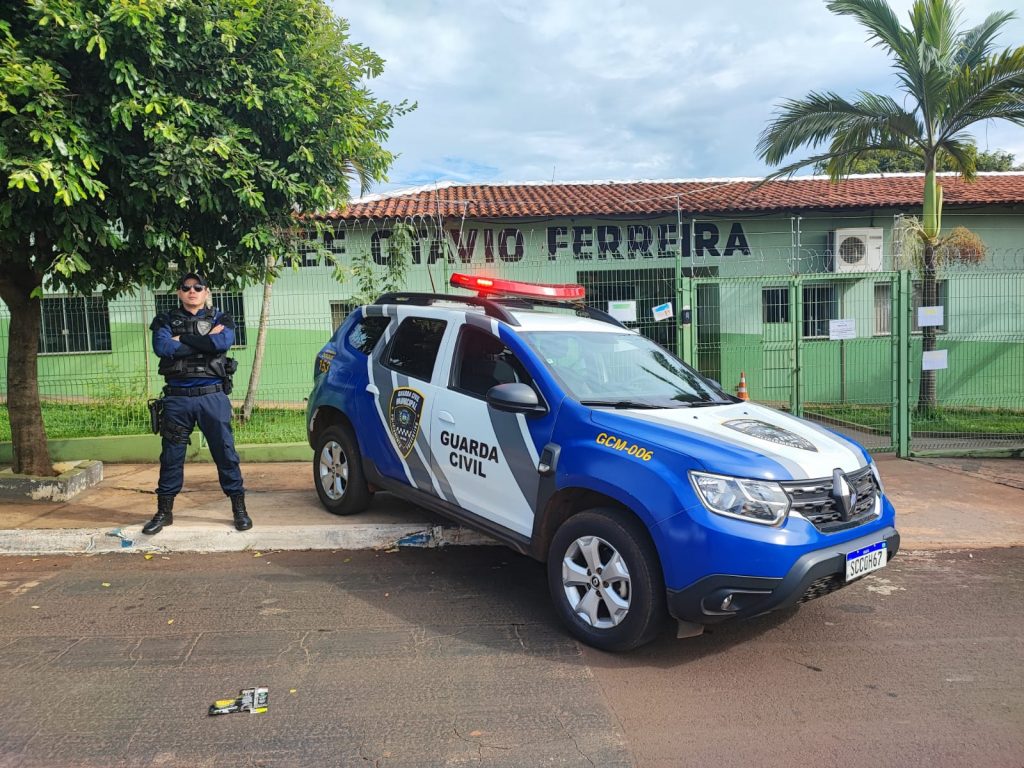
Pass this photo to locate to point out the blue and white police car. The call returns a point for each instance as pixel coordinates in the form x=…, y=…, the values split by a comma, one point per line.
x=646, y=489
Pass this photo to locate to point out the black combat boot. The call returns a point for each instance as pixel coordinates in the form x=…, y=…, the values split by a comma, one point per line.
x=242, y=520
x=163, y=516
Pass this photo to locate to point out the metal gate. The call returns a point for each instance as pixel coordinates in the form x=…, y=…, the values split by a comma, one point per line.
x=820, y=347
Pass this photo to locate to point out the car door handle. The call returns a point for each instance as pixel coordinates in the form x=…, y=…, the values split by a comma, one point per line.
x=446, y=417
x=372, y=389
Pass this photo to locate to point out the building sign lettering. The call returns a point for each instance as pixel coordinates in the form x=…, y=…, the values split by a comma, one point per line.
x=601, y=242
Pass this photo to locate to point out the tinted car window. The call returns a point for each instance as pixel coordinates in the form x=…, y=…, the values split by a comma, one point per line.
x=414, y=348
x=482, y=361
x=367, y=332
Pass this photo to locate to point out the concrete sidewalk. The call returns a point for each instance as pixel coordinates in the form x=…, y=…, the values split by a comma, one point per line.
x=936, y=509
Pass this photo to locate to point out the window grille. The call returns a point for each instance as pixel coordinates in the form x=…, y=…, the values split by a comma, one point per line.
x=821, y=304
x=339, y=311
x=883, y=309
x=74, y=324
x=775, y=305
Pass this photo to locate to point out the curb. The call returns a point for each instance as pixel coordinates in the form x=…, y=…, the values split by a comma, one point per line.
x=74, y=479
x=203, y=539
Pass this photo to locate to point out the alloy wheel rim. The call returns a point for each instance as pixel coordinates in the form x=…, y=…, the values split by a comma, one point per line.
x=596, y=582
x=333, y=470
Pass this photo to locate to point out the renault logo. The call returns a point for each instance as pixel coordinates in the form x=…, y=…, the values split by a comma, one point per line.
x=843, y=494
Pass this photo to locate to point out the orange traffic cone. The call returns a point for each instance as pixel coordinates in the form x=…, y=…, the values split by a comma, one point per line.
x=741, y=390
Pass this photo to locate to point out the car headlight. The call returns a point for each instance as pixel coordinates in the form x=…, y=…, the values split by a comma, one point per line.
x=757, y=501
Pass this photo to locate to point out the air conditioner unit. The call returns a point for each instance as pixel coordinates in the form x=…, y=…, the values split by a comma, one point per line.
x=856, y=250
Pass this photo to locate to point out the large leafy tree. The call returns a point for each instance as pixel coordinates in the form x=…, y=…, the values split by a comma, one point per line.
x=888, y=161
x=951, y=78
x=137, y=136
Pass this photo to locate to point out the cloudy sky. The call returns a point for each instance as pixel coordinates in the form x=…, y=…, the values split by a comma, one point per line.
x=570, y=90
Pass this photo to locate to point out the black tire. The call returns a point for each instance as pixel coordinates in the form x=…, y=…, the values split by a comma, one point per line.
x=616, y=614
x=338, y=471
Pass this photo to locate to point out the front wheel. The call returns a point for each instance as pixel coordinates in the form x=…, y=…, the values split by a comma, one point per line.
x=338, y=472
x=605, y=579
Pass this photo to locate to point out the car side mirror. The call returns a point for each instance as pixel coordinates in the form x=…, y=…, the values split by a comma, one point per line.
x=515, y=397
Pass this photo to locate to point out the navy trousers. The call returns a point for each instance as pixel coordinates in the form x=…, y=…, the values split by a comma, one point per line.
x=213, y=415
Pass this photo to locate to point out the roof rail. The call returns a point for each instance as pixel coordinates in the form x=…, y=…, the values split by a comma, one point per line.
x=490, y=308
x=497, y=307
x=578, y=306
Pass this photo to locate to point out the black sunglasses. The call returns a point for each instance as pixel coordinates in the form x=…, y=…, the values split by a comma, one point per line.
x=197, y=287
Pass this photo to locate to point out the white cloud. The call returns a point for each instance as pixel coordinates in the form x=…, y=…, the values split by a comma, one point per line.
x=518, y=90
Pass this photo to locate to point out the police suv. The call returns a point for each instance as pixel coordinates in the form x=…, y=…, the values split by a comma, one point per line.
x=547, y=424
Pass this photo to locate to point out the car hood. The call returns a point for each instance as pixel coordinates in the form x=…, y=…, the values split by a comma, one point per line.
x=741, y=439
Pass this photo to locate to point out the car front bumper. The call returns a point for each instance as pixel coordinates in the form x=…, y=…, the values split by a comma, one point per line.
x=814, y=574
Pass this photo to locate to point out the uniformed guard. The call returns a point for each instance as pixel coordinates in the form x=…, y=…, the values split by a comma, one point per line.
x=192, y=342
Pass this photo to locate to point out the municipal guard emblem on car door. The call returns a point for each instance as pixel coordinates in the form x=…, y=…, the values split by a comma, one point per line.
x=404, y=418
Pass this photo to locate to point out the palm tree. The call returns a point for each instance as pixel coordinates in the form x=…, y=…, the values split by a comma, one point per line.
x=951, y=79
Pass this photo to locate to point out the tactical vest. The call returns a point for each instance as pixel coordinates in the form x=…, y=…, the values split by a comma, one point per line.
x=201, y=365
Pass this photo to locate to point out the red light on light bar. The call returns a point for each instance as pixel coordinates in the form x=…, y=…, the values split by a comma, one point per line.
x=496, y=285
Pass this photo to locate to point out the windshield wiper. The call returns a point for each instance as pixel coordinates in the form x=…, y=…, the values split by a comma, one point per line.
x=618, y=404
x=702, y=403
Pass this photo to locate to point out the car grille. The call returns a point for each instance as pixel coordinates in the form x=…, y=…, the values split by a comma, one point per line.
x=822, y=587
x=813, y=500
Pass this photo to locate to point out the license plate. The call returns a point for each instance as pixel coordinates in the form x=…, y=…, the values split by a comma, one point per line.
x=866, y=560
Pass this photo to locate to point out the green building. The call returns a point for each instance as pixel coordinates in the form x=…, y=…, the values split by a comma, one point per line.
x=795, y=283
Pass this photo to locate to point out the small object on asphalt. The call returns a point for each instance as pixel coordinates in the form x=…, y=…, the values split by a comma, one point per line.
x=251, y=700
x=292, y=690
x=170, y=621
x=105, y=584
x=148, y=556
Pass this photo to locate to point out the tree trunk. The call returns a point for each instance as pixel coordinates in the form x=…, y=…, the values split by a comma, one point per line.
x=261, y=345
x=28, y=433
x=926, y=399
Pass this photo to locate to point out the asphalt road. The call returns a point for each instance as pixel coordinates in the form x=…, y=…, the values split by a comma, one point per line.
x=453, y=657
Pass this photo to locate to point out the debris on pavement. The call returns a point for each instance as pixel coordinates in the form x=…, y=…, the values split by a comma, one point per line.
x=252, y=700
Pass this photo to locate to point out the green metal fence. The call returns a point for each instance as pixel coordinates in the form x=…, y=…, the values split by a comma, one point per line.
x=810, y=345
x=841, y=348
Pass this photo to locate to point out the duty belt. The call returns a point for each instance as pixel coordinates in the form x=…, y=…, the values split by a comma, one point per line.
x=208, y=389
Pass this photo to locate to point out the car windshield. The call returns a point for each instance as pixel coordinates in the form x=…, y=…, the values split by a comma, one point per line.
x=621, y=370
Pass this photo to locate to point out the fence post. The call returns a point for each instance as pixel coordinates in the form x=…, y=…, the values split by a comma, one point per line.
x=684, y=331
x=902, y=403
x=796, y=406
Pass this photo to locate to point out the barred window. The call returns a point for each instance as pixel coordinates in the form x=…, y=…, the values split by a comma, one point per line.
x=74, y=324
x=883, y=309
x=775, y=305
x=231, y=303
x=883, y=306
x=339, y=311
x=821, y=304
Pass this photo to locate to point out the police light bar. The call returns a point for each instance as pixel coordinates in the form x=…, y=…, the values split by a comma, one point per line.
x=499, y=286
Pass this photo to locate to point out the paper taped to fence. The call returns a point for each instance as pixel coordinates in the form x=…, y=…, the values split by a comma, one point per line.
x=623, y=311
x=935, y=360
x=663, y=311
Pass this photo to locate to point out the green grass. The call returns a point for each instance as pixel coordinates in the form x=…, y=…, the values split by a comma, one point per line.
x=70, y=420
x=942, y=419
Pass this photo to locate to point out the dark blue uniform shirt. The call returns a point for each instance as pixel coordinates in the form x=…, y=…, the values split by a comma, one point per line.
x=165, y=346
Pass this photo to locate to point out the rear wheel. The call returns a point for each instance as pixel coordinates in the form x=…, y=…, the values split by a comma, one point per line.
x=338, y=472
x=605, y=579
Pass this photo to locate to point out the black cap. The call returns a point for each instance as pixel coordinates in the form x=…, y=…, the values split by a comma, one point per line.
x=194, y=276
